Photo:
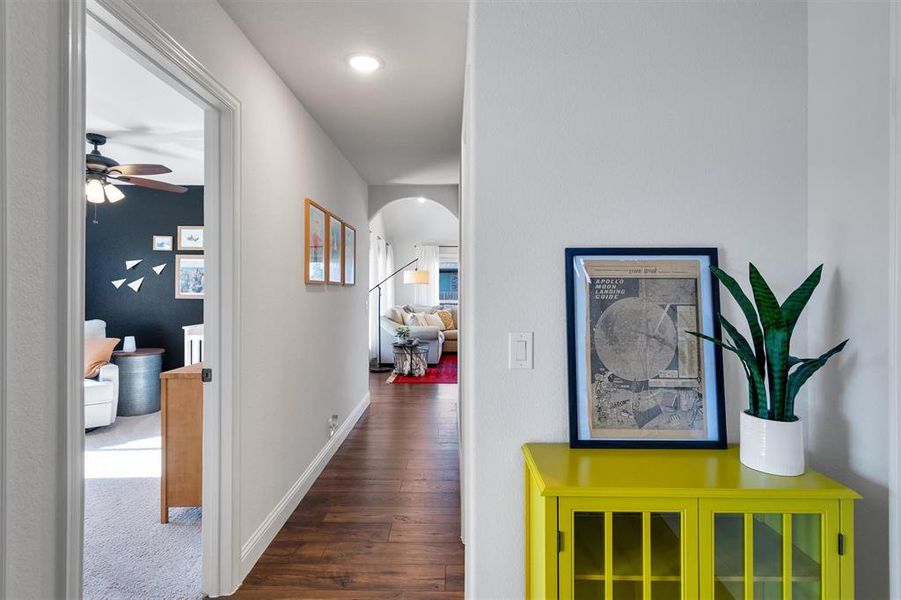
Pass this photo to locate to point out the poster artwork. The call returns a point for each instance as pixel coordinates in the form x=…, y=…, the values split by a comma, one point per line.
x=646, y=372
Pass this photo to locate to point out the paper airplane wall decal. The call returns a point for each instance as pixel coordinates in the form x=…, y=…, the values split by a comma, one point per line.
x=159, y=268
x=136, y=284
x=132, y=263
x=118, y=283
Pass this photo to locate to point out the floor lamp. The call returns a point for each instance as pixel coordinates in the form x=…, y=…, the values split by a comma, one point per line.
x=416, y=277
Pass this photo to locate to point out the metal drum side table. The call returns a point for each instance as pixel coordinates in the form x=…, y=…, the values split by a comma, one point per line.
x=411, y=359
x=139, y=381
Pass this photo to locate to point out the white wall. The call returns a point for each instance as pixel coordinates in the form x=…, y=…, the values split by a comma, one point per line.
x=291, y=382
x=605, y=124
x=292, y=332
x=33, y=507
x=382, y=195
x=849, y=220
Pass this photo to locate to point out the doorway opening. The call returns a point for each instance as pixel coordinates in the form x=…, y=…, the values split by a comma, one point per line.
x=144, y=284
x=414, y=277
x=201, y=268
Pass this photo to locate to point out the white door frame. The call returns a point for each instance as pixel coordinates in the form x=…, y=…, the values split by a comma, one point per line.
x=164, y=56
x=894, y=278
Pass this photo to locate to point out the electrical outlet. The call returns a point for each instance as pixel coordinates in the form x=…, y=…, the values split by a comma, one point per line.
x=332, y=425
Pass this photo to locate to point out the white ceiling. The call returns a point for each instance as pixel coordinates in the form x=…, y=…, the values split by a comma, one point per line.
x=399, y=125
x=146, y=120
x=410, y=221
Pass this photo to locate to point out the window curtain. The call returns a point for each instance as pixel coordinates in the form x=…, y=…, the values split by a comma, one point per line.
x=381, y=264
x=388, y=287
x=427, y=293
x=374, y=252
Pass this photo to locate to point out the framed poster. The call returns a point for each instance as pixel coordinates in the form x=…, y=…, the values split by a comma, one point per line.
x=314, y=243
x=334, y=239
x=350, y=255
x=190, y=237
x=162, y=243
x=637, y=378
x=189, y=276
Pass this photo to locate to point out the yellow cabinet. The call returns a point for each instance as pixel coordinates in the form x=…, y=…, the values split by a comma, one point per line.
x=681, y=524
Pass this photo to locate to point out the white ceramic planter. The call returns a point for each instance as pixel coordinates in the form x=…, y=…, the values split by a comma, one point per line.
x=775, y=447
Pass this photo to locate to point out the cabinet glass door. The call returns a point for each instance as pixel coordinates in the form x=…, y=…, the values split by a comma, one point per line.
x=619, y=552
x=770, y=554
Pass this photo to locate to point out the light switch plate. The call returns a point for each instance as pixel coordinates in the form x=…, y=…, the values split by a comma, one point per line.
x=521, y=350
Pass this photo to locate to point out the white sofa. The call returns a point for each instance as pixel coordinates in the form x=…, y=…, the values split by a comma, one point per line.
x=101, y=394
x=432, y=337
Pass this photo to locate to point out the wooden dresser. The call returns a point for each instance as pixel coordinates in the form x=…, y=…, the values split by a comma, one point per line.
x=181, y=418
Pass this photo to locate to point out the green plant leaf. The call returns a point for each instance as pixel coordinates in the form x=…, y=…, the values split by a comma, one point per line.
x=758, y=401
x=797, y=300
x=747, y=307
x=803, y=373
x=755, y=385
x=777, y=337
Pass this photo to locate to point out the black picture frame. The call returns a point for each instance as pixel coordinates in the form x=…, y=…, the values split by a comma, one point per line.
x=718, y=441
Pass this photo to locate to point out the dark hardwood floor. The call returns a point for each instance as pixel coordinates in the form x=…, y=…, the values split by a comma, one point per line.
x=383, y=519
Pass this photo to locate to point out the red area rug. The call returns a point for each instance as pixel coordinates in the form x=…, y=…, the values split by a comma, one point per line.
x=444, y=372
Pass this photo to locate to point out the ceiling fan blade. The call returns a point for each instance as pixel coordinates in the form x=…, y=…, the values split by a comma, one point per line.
x=153, y=184
x=140, y=169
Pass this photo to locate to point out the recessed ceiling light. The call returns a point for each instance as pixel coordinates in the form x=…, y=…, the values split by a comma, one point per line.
x=421, y=200
x=364, y=63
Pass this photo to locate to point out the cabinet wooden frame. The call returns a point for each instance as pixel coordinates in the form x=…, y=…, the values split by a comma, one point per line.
x=685, y=508
x=831, y=518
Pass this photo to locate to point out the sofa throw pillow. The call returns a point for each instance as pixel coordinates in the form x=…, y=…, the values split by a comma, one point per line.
x=395, y=315
x=97, y=352
x=447, y=318
x=434, y=321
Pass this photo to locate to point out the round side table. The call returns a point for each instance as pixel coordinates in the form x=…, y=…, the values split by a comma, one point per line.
x=410, y=358
x=139, y=381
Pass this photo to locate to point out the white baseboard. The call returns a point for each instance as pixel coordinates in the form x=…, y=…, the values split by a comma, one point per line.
x=253, y=548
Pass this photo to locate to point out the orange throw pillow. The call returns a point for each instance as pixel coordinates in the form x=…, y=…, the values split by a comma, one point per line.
x=447, y=318
x=97, y=352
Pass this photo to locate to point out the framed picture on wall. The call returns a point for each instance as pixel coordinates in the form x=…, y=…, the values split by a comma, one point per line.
x=162, y=243
x=189, y=276
x=314, y=242
x=350, y=255
x=334, y=241
x=190, y=237
x=637, y=377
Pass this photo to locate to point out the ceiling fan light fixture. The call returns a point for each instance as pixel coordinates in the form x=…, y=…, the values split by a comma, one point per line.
x=364, y=63
x=113, y=194
x=93, y=190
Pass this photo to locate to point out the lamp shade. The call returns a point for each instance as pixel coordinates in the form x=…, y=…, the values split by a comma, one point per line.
x=416, y=277
x=94, y=191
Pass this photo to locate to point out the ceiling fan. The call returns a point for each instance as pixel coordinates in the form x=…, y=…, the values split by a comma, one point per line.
x=99, y=169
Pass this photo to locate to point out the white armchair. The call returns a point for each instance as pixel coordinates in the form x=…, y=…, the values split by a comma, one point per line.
x=101, y=394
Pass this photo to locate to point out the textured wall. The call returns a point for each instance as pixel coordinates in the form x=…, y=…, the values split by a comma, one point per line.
x=303, y=347
x=609, y=124
x=848, y=230
x=124, y=232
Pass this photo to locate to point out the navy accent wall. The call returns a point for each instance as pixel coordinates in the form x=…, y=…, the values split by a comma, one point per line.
x=125, y=231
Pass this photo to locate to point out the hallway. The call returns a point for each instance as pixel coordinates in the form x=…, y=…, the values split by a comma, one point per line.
x=383, y=519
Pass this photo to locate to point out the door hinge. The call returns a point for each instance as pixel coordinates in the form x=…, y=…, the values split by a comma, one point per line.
x=559, y=542
x=206, y=375
x=841, y=544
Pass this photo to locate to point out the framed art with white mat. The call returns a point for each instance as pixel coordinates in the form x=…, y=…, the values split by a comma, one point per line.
x=637, y=377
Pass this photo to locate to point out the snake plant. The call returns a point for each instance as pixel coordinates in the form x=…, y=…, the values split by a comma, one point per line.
x=774, y=376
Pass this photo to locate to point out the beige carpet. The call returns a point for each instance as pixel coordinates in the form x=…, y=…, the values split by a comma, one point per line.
x=128, y=554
